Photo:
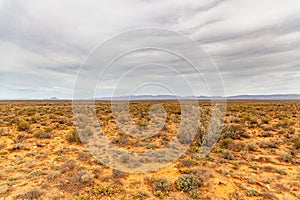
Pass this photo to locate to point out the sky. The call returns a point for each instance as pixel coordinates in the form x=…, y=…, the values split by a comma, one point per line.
x=248, y=47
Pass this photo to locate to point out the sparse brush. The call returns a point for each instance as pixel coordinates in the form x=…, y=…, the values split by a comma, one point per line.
x=285, y=123
x=234, y=132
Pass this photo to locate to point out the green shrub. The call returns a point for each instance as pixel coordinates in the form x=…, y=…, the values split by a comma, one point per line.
x=23, y=126
x=101, y=190
x=251, y=147
x=48, y=129
x=281, y=171
x=188, y=183
x=265, y=120
x=194, y=194
x=253, y=193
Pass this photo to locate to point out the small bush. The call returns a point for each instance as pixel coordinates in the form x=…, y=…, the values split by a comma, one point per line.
x=188, y=183
x=266, y=134
x=237, y=147
x=140, y=195
x=120, y=139
x=286, y=157
x=218, y=150
x=48, y=129
x=73, y=136
x=253, y=193
x=31, y=194
x=225, y=143
x=265, y=120
x=161, y=187
x=234, y=132
x=255, y=167
x=188, y=163
x=291, y=130
x=281, y=171
x=35, y=173
x=118, y=174
x=101, y=190
x=286, y=123
x=227, y=155
x=194, y=194
x=251, y=147
x=23, y=126
x=44, y=135
x=296, y=143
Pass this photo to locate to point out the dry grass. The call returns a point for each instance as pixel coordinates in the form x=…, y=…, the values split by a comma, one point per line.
x=257, y=156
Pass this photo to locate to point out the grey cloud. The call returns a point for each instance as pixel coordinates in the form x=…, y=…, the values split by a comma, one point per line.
x=43, y=43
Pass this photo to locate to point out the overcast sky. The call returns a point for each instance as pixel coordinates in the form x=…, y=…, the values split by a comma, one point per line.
x=254, y=43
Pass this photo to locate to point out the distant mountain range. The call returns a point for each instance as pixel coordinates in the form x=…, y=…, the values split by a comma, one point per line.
x=173, y=97
x=237, y=97
x=266, y=97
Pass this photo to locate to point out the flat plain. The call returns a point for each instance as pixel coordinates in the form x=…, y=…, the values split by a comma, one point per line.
x=256, y=157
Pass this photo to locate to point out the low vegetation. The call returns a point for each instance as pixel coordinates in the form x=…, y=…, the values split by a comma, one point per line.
x=257, y=156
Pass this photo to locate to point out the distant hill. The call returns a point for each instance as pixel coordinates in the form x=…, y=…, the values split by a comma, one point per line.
x=238, y=97
x=266, y=97
x=173, y=97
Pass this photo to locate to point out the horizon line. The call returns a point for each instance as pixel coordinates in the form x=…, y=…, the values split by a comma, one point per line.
x=156, y=97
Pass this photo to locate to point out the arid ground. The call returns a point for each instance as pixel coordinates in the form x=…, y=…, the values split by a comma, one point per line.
x=256, y=157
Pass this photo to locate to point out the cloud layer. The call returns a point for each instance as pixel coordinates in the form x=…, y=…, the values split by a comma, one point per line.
x=256, y=44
